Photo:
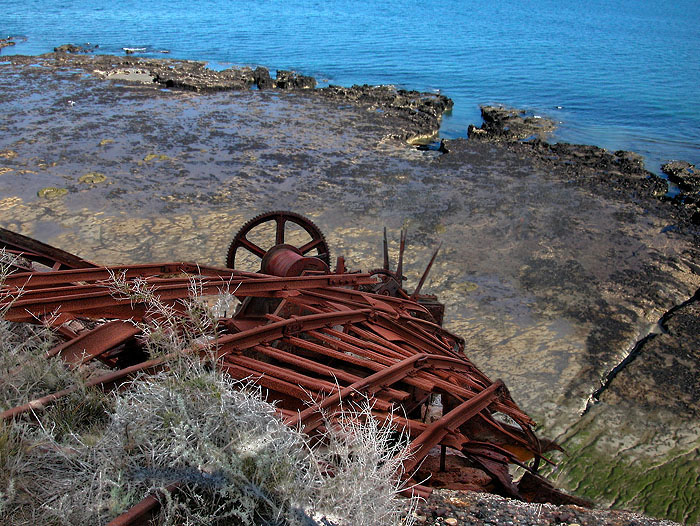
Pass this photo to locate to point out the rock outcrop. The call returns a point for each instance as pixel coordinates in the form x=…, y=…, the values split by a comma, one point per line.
x=508, y=124
x=417, y=113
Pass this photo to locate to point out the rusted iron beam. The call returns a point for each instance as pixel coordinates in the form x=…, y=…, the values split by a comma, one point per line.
x=276, y=330
x=34, y=250
x=450, y=422
x=309, y=418
x=334, y=373
x=425, y=273
x=85, y=303
x=95, y=342
x=105, y=380
x=104, y=274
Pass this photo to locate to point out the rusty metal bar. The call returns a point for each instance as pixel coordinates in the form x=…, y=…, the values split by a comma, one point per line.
x=425, y=274
x=243, y=340
x=104, y=274
x=380, y=379
x=39, y=404
x=145, y=509
x=95, y=342
x=28, y=310
x=34, y=250
x=436, y=431
x=325, y=370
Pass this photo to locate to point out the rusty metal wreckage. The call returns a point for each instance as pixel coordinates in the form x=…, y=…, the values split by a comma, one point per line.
x=302, y=331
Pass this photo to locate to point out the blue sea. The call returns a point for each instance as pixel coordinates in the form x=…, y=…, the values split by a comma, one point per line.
x=621, y=75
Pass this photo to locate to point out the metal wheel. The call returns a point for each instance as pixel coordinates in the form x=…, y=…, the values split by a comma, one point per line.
x=282, y=222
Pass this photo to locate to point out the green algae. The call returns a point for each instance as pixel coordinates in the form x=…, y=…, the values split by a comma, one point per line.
x=93, y=178
x=155, y=157
x=666, y=485
x=51, y=192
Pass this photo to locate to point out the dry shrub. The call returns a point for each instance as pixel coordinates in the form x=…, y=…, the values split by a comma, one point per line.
x=93, y=456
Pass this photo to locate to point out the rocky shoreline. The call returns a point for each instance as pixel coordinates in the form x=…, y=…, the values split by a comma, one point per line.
x=417, y=115
x=620, y=170
x=591, y=248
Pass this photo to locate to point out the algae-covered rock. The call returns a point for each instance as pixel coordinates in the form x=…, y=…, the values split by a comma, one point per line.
x=105, y=142
x=93, y=178
x=155, y=157
x=51, y=192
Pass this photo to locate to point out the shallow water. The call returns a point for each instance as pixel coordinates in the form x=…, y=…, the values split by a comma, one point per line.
x=622, y=75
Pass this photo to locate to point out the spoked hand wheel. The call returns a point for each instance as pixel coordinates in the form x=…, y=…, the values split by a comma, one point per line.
x=270, y=229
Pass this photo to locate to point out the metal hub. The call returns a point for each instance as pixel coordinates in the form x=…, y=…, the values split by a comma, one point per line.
x=243, y=241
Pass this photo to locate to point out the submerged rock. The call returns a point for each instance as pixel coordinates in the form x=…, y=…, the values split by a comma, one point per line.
x=51, y=192
x=6, y=42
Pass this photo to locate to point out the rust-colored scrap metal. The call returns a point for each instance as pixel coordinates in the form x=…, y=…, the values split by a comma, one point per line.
x=303, y=332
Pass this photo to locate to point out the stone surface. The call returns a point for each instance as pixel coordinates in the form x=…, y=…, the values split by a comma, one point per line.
x=482, y=509
x=262, y=79
x=420, y=113
x=293, y=80
x=73, y=48
x=508, y=124
x=684, y=174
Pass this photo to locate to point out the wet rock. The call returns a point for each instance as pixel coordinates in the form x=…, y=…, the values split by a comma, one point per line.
x=73, y=48
x=684, y=174
x=418, y=114
x=198, y=78
x=52, y=192
x=293, y=80
x=482, y=509
x=6, y=42
x=92, y=178
x=508, y=124
x=262, y=79
x=614, y=173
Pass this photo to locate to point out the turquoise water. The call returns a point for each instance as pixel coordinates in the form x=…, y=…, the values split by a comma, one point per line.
x=622, y=75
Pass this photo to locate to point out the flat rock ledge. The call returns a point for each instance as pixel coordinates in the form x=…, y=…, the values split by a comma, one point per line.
x=510, y=124
x=420, y=113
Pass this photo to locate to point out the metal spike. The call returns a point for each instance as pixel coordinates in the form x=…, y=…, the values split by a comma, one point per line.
x=425, y=274
x=402, y=247
x=386, y=252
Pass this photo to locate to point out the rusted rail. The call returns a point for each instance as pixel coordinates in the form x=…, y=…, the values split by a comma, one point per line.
x=308, y=334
